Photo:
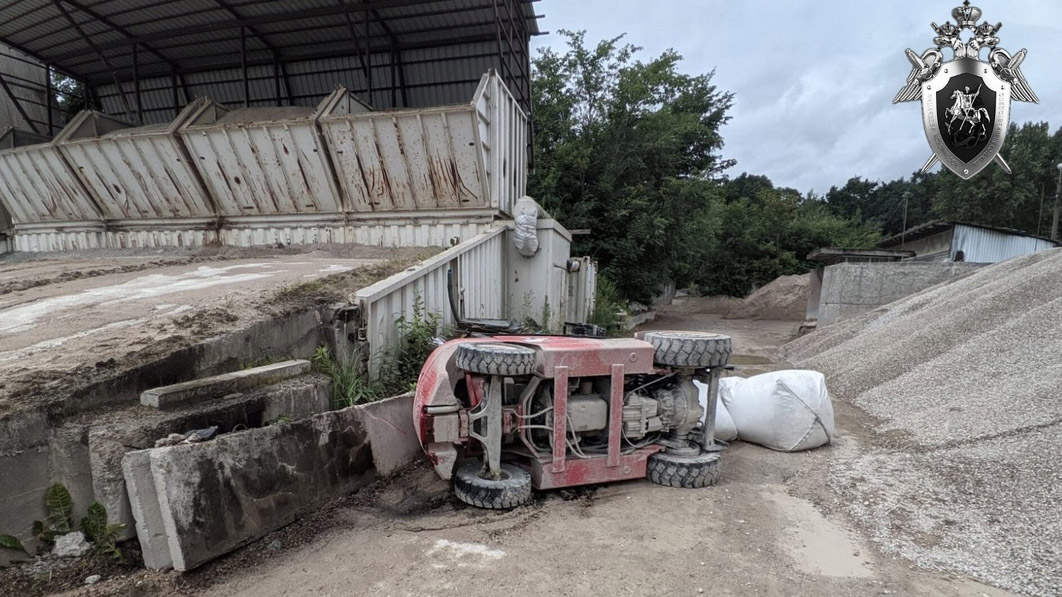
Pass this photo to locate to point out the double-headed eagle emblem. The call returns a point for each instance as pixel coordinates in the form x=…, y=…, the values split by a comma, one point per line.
x=966, y=101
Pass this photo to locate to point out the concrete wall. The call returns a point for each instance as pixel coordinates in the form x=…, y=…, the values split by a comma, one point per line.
x=195, y=502
x=849, y=289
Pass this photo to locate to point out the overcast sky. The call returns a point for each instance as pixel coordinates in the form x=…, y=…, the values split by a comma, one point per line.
x=814, y=79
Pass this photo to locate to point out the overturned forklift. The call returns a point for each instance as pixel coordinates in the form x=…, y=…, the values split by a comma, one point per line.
x=503, y=415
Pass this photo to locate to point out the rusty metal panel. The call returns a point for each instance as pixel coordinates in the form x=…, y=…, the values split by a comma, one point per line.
x=503, y=127
x=264, y=161
x=37, y=186
x=478, y=263
x=404, y=160
x=134, y=173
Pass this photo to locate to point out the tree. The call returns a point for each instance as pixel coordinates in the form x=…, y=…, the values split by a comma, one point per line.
x=628, y=149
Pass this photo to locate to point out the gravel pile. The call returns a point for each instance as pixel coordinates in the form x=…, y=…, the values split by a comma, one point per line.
x=965, y=383
x=784, y=299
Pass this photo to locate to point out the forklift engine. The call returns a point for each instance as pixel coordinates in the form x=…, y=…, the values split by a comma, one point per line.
x=504, y=414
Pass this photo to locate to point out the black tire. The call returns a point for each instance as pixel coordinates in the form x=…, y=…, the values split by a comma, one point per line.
x=496, y=358
x=690, y=472
x=689, y=349
x=512, y=490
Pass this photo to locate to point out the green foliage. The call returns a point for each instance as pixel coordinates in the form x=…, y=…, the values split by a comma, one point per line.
x=350, y=386
x=59, y=507
x=102, y=535
x=627, y=149
x=416, y=340
x=753, y=233
x=608, y=305
x=11, y=542
x=397, y=371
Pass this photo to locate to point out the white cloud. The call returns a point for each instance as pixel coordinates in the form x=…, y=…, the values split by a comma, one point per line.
x=814, y=80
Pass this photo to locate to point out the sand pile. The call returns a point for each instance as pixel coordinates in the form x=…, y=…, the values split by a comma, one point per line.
x=784, y=299
x=965, y=381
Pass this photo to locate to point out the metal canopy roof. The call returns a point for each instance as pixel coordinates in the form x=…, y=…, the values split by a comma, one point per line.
x=146, y=58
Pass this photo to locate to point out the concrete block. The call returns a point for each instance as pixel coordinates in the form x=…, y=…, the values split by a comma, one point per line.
x=297, y=399
x=189, y=392
x=144, y=500
x=216, y=496
x=389, y=424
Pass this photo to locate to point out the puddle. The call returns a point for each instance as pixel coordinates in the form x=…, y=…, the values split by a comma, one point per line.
x=816, y=544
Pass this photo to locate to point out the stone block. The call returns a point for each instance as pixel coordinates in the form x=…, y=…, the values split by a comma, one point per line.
x=389, y=424
x=144, y=500
x=216, y=496
x=189, y=392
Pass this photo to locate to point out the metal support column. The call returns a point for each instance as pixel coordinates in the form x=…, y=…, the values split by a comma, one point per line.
x=136, y=84
x=243, y=68
x=48, y=92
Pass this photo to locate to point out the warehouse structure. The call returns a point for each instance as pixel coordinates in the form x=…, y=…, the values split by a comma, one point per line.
x=963, y=241
x=144, y=61
x=850, y=282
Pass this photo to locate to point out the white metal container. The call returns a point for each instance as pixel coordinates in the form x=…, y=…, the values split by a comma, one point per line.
x=470, y=156
x=135, y=173
x=262, y=161
x=36, y=185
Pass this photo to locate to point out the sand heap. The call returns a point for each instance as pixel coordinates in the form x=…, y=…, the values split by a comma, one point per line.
x=965, y=381
x=784, y=299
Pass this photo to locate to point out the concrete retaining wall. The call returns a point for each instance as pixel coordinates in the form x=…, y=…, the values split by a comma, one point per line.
x=85, y=454
x=849, y=289
x=193, y=503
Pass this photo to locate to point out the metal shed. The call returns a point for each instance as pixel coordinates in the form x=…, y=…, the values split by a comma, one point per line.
x=943, y=241
x=146, y=60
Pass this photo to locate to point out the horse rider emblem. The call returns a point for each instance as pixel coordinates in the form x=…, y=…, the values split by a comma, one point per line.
x=966, y=101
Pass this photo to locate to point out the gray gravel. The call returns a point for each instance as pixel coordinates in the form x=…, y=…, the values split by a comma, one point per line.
x=964, y=381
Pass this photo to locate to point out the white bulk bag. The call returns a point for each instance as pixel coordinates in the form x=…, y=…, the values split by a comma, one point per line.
x=782, y=410
x=724, y=425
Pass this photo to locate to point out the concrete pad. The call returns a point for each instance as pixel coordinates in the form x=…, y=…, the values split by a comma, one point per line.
x=189, y=392
x=389, y=424
x=144, y=501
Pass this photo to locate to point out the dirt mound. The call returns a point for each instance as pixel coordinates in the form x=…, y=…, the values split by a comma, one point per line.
x=963, y=380
x=784, y=299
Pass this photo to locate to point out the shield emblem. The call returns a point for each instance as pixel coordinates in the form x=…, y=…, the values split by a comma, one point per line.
x=966, y=112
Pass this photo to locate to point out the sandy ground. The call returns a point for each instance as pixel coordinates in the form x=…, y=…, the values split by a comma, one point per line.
x=773, y=526
x=64, y=319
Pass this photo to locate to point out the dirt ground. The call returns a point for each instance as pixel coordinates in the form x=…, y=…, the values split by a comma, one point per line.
x=772, y=527
x=66, y=319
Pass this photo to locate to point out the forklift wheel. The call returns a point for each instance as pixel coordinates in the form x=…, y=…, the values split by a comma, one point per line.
x=688, y=472
x=496, y=358
x=512, y=490
x=689, y=349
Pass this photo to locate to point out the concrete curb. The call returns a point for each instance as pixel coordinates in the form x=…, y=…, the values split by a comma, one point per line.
x=182, y=394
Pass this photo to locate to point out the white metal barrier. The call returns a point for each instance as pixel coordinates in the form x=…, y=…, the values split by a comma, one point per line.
x=488, y=277
x=477, y=269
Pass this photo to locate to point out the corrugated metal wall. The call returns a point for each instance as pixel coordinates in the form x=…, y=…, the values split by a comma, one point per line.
x=981, y=245
x=478, y=265
x=26, y=81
